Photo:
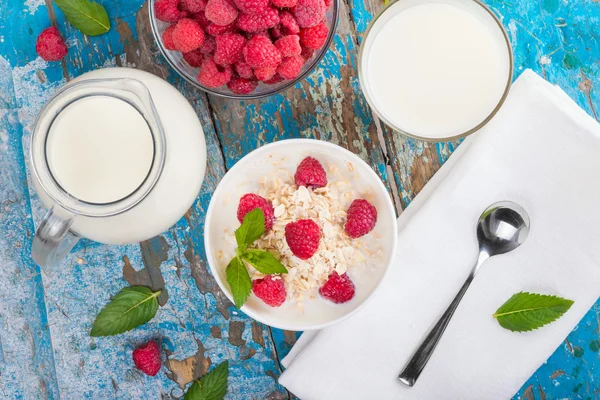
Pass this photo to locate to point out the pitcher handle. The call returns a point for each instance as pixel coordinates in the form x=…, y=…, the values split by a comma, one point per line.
x=53, y=240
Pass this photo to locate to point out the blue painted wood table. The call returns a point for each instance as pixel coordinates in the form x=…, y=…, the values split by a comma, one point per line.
x=45, y=316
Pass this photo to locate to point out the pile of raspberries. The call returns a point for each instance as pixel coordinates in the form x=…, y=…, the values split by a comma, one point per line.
x=241, y=42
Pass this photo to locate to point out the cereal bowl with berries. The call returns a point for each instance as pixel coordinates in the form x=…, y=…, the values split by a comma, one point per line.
x=243, y=48
x=300, y=233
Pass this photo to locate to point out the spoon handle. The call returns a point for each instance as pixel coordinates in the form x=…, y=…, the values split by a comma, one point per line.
x=417, y=362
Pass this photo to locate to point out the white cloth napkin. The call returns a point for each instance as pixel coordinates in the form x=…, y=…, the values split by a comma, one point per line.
x=541, y=151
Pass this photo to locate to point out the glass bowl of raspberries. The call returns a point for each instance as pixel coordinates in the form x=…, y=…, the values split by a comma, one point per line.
x=243, y=49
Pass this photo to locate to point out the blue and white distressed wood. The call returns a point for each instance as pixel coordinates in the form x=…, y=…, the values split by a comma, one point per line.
x=45, y=316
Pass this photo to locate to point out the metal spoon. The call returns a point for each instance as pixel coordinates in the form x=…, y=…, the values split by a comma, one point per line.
x=503, y=227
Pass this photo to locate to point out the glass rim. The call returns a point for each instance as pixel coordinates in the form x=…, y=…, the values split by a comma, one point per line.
x=314, y=63
x=42, y=171
x=449, y=138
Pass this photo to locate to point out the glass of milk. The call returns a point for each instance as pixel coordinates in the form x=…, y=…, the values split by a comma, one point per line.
x=107, y=167
x=436, y=70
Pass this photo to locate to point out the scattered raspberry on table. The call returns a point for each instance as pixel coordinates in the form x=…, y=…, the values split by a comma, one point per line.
x=147, y=358
x=50, y=45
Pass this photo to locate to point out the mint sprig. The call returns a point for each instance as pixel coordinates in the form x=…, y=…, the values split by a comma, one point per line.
x=212, y=386
x=528, y=311
x=263, y=261
x=131, y=307
x=87, y=16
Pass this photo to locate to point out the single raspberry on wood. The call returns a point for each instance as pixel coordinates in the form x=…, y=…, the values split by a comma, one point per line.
x=284, y=3
x=338, y=288
x=361, y=218
x=147, y=358
x=187, y=35
x=195, y=5
x=315, y=37
x=194, y=58
x=229, y=48
x=289, y=46
x=243, y=70
x=309, y=12
x=241, y=85
x=270, y=289
x=303, y=237
x=310, y=173
x=252, y=7
x=288, y=23
x=50, y=45
x=258, y=22
x=167, y=38
x=213, y=75
x=290, y=67
x=265, y=73
x=260, y=52
x=221, y=12
x=167, y=10
x=251, y=201
x=216, y=30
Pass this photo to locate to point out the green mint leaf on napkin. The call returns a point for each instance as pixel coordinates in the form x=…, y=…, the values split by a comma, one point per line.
x=239, y=281
x=251, y=229
x=131, y=307
x=263, y=261
x=528, y=311
x=211, y=386
x=89, y=17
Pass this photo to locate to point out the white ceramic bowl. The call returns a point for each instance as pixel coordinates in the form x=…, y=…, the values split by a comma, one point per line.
x=244, y=178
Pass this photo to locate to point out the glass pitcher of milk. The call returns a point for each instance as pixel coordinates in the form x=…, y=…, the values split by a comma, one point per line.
x=117, y=156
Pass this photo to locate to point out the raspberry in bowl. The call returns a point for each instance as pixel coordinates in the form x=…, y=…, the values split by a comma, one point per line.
x=327, y=222
x=243, y=49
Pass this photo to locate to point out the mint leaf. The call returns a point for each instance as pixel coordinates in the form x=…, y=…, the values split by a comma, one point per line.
x=264, y=261
x=89, y=17
x=528, y=311
x=251, y=229
x=211, y=386
x=239, y=281
x=131, y=307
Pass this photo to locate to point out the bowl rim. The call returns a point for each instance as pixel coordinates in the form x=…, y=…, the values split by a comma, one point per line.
x=268, y=147
x=315, y=62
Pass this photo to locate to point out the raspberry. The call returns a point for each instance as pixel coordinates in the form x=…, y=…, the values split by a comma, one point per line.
x=309, y=12
x=167, y=11
x=252, y=201
x=202, y=20
x=213, y=75
x=209, y=46
x=270, y=290
x=328, y=3
x=216, y=30
x=243, y=70
x=242, y=85
x=185, y=11
x=361, y=218
x=310, y=173
x=229, y=48
x=303, y=237
x=50, y=45
x=288, y=23
x=290, y=67
x=147, y=358
x=252, y=7
x=289, y=46
x=338, y=289
x=187, y=35
x=307, y=53
x=275, y=79
x=195, y=6
x=167, y=38
x=221, y=12
x=194, y=58
x=254, y=23
x=276, y=32
x=260, y=52
x=315, y=37
x=284, y=3
x=265, y=73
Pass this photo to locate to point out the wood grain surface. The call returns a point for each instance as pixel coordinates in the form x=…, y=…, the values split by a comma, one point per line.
x=45, y=315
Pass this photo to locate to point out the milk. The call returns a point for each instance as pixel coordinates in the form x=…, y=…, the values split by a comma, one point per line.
x=100, y=149
x=435, y=68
